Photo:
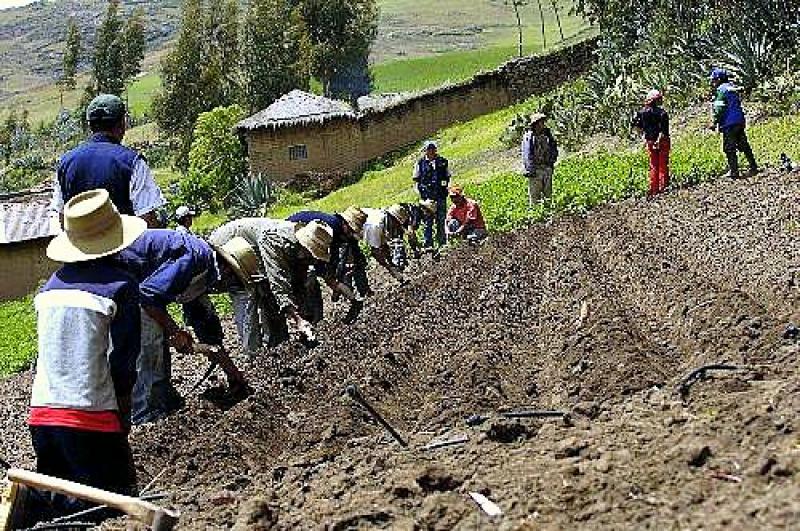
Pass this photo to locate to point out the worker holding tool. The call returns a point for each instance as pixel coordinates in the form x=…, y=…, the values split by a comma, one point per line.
x=174, y=267
x=88, y=342
x=103, y=162
x=384, y=232
x=277, y=300
x=653, y=122
x=348, y=265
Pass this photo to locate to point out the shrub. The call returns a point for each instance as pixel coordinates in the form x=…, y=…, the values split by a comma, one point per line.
x=216, y=159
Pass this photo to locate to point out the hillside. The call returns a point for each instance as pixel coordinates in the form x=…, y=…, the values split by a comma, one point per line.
x=31, y=43
x=661, y=299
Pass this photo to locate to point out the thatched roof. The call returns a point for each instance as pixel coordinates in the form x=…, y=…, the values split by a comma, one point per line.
x=297, y=108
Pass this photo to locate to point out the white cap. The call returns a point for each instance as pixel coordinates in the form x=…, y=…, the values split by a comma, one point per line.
x=183, y=211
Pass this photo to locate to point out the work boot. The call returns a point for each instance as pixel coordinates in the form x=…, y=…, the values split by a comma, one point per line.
x=733, y=165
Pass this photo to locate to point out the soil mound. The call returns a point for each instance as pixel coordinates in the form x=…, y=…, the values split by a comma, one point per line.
x=599, y=317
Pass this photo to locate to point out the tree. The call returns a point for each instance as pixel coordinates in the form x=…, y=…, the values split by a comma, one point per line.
x=216, y=160
x=340, y=34
x=182, y=97
x=273, y=52
x=516, y=4
x=133, y=45
x=109, y=56
x=222, y=74
x=72, y=53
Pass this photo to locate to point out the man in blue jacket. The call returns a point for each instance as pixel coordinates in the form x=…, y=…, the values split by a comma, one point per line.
x=432, y=176
x=103, y=162
x=172, y=267
x=88, y=342
x=729, y=119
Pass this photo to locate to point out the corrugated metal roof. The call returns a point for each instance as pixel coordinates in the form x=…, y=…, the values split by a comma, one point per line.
x=297, y=108
x=26, y=218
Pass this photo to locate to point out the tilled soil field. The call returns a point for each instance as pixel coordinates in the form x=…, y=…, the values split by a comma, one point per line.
x=599, y=316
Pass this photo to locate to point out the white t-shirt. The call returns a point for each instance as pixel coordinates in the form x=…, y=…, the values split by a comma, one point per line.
x=146, y=196
x=375, y=227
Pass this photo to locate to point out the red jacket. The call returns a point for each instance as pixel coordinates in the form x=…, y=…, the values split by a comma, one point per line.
x=469, y=214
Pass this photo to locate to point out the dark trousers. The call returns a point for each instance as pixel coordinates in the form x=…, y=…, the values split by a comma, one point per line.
x=201, y=316
x=438, y=219
x=97, y=459
x=735, y=140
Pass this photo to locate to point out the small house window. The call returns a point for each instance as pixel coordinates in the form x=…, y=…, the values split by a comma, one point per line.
x=298, y=152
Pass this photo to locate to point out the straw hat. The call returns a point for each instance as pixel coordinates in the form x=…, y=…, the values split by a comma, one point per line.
x=399, y=212
x=428, y=205
x=239, y=254
x=316, y=237
x=455, y=191
x=355, y=218
x=536, y=118
x=93, y=228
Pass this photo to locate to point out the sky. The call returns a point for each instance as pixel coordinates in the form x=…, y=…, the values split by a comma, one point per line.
x=14, y=3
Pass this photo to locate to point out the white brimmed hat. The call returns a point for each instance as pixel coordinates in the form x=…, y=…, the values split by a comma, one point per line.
x=183, y=211
x=536, y=118
x=316, y=237
x=239, y=254
x=355, y=218
x=93, y=228
x=399, y=212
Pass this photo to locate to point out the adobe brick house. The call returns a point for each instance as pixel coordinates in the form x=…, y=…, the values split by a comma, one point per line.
x=300, y=133
x=26, y=228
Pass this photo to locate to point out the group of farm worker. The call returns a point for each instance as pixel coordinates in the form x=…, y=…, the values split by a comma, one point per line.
x=104, y=329
x=540, y=150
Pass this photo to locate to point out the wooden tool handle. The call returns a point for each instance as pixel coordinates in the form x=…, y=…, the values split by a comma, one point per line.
x=141, y=510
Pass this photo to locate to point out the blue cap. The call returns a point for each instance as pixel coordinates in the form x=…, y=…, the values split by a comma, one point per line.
x=719, y=73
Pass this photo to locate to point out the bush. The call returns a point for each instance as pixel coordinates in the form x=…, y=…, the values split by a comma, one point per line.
x=216, y=159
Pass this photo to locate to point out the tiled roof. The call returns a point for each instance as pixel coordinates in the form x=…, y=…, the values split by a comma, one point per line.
x=297, y=108
x=26, y=218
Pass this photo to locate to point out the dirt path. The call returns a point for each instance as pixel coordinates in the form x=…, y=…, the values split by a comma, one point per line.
x=599, y=316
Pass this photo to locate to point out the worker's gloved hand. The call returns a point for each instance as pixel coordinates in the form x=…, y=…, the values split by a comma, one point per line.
x=301, y=331
x=182, y=342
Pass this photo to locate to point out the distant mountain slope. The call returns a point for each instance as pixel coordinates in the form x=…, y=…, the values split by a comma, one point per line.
x=31, y=37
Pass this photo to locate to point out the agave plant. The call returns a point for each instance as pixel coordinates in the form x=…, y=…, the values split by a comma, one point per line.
x=253, y=196
x=750, y=56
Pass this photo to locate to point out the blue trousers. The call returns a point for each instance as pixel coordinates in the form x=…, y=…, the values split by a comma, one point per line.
x=438, y=218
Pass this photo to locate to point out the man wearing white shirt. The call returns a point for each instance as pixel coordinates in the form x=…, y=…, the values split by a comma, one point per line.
x=102, y=162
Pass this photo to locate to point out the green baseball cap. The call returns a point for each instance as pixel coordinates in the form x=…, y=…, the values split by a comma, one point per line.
x=105, y=108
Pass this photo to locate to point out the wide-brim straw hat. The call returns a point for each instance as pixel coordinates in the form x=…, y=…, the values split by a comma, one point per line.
x=455, y=191
x=399, y=212
x=93, y=228
x=316, y=237
x=240, y=255
x=355, y=219
x=536, y=118
x=429, y=205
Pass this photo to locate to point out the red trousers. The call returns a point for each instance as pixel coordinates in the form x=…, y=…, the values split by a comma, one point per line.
x=659, y=165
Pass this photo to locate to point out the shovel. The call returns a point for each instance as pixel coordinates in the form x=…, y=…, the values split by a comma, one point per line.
x=158, y=518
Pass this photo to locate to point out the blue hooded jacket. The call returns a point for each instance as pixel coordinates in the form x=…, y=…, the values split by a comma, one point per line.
x=728, y=111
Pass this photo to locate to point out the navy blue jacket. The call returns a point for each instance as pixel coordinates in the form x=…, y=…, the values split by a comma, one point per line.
x=340, y=243
x=432, y=183
x=102, y=280
x=165, y=262
x=99, y=163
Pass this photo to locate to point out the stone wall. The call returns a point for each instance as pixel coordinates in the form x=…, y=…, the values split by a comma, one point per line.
x=22, y=266
x=347, y=145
